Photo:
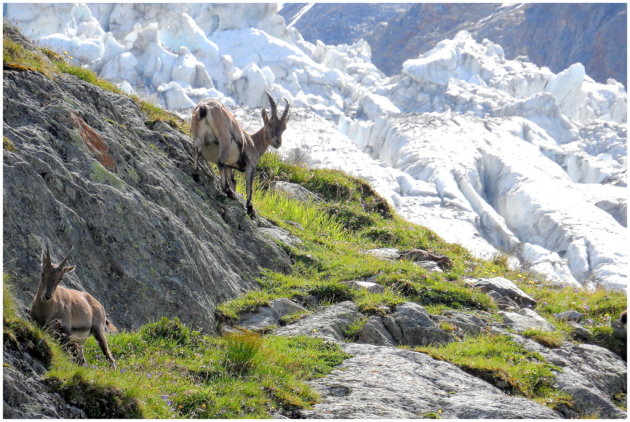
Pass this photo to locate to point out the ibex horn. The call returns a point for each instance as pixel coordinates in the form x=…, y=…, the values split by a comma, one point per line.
x=286, y=110
x=66, y=258
x=274, y=109
x=47, y=254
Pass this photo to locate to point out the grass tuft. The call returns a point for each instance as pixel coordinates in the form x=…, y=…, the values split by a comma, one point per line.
x=241, y=351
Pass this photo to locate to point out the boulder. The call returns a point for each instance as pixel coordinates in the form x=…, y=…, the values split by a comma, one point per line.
x=468, y=324
x=569, y=316
x=384, y=253
x=374, y=332
x=366, y=285
x=268, y=316
x=282, y=235
x=330, y=323
x=295, y=191
x=506, y=288
x=417, y=327
x=423, y=258
x=526, y=319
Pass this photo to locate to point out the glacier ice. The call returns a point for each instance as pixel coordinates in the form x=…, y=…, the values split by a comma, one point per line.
x=491, y=153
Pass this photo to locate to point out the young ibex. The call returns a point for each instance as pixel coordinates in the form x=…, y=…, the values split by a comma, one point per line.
x=219, y=139
x=76, y=314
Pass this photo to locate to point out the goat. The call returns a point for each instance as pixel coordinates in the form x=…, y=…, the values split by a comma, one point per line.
x=76, y=314
x=219, y=139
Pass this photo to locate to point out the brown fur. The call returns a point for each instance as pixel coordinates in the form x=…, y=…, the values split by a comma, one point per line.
x=219, y=139
x=75, y=314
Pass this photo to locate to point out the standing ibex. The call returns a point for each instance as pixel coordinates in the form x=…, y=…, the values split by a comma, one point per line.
x=77, y=314
x=219, y=139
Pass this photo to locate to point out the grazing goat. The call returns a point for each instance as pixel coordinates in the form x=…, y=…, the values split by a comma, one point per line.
x=76, y=314
x=219, y=139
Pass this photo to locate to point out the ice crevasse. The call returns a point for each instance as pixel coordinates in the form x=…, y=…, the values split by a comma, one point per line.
x=492, y=153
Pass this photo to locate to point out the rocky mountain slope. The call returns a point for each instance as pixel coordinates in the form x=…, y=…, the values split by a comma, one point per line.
x=87, y=169
x=111, y=176
x=558, y=34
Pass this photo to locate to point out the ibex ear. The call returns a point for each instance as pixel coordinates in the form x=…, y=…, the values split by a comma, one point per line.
x=264, y=116
x=69, y=269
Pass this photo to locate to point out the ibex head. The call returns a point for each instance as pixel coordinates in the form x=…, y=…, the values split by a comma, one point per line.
x=52, y=274
x=274, y=125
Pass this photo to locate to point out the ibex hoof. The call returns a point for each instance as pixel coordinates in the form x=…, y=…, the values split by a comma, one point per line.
x=250, y=211
x=230, y=194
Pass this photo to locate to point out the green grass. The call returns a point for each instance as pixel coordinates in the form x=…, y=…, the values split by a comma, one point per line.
x=503, y=363
x=551, y=339
x=7, y=145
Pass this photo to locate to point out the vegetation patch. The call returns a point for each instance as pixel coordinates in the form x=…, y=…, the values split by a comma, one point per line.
x=352, y=332
x=501, y=362
x=19, y=335
x=16, y=57
x=7, y=145
x=97, y=401
x=172, y=371
x=551, y=339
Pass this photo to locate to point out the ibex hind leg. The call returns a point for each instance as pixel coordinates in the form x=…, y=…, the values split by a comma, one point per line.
x=249, y=179
x=102, y=342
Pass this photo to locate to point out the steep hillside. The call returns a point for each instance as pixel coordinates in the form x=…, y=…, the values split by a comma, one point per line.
x=88, y=168
x=558, y=35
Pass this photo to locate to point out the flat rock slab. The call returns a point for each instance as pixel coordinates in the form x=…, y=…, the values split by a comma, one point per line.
x=384, y=253
x=386, y=382
x=365, y=285
x=526, y=319
x=294, y=191
x=506, y=288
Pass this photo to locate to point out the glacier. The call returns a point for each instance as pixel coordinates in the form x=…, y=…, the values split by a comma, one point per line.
x=497, y=155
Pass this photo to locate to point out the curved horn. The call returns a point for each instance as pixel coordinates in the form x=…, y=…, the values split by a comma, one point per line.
x=46, y=256
x=274, y=109
x=286, y=109
x=62, y=263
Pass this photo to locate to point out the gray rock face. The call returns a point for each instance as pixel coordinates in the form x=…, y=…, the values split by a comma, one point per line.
x=505, y=288
x=330, y=323
x=526, y=319
x=417, y=327
x=468, y=324
x=569, y=316
x=268, y=316
x=25, y=395
x=149, y=241
x=282, y=235
x=385, y=382
x=294, y=191
x=374, y=332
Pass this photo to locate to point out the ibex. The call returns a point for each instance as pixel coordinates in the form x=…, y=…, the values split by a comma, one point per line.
x=219, y=139
x=76, y=314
